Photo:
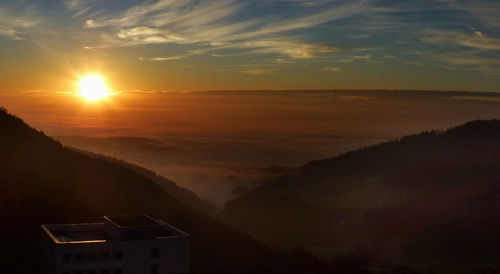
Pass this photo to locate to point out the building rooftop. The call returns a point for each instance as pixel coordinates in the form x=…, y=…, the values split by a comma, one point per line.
x=63, y=234
x=114, y=228
x=132, y=221
x=77, y=233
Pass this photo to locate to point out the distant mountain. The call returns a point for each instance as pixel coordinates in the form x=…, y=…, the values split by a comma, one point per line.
x=423, y=199
x=43, y=182
x=128, y=143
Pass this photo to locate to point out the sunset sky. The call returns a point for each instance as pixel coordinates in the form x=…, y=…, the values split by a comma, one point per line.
x=130, y=78
x=283, y=136
x=180, y=45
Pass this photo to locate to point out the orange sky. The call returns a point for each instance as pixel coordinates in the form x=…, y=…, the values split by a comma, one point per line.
x=278, y=113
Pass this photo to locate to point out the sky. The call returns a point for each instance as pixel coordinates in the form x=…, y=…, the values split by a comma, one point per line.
x=168, y=45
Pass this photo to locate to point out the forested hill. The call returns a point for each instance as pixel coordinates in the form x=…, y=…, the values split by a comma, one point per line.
x=425, y=198
x=187, y=197
x=42, y=182
x=474, y=142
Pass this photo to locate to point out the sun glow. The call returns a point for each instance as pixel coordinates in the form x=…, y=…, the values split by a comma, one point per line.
x=92, y=88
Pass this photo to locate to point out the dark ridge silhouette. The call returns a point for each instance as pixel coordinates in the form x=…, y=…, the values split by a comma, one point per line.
x=42, y=182
x=187, y=197
x=458, y=144
x=429, y=199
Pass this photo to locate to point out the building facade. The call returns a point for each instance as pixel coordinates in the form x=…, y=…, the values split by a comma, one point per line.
x=119, y=245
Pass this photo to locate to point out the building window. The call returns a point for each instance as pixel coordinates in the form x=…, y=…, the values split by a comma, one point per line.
x=105, y=256
x=79, y=257
x=66, y=258
x=155, y=269
x=118, y=255
x=92, y=256
x=117, y=271
x=155, y=253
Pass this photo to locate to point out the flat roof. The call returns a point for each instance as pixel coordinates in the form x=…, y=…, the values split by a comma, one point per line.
x=98, y=232
x=132, y=221
x=77, y=233
x=80, y=235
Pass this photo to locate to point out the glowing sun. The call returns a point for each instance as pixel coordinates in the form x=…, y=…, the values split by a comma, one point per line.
x=92, y=88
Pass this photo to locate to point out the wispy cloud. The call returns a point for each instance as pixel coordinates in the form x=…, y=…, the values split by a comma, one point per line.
x=468, y=60
x=332, y=69
x=14, y=22
x=79, y=7
x=258, y=71
x=216, y=24
x=471, y=60
x=168, y=58
x=356, y=58
x=467, y=49
x=267, y=35
x=475, y=39
x=288, y=47
x=484, y=10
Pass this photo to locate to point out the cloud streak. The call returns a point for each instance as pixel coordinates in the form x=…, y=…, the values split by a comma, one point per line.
x=486, y=11
x=262, y=36
x=13, y=23
x=215, y=25
x=475, y=39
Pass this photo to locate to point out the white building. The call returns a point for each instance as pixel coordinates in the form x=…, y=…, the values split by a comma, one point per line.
x=120, y=245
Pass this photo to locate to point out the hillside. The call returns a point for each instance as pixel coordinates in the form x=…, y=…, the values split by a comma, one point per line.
x=426, y=198
x=182, y=194
x=43, y=182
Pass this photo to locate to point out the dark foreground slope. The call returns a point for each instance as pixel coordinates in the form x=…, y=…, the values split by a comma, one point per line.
x=182, y=194
x=43, y=182
x=431, y=197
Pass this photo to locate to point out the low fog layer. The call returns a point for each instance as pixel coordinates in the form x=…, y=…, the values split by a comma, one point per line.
x=214, y=142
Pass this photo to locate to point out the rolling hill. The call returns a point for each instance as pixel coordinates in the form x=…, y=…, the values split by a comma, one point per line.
x=41, y=182
x=429, y=198
x=182, y=194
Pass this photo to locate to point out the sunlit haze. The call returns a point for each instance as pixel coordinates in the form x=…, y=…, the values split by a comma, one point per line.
x=92, y=88
x=210, y=141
